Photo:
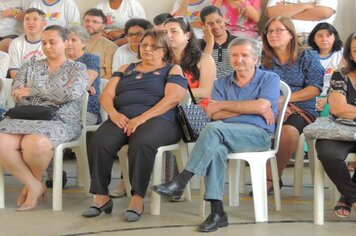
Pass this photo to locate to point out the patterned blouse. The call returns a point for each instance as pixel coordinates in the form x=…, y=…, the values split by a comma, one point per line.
x=306, y=71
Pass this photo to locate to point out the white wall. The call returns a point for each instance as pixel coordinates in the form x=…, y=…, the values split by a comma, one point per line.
x=345, y=17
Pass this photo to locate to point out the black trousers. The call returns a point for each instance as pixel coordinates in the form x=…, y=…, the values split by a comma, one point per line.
x=143, y=145
x=332, y=155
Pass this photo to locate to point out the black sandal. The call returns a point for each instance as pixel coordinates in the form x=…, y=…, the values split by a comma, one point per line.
x=344, y=205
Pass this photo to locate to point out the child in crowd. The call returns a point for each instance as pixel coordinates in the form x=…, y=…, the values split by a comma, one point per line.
x=241, y=16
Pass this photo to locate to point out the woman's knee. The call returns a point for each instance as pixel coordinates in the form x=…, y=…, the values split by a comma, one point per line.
x=36, y=145
x=8, y=141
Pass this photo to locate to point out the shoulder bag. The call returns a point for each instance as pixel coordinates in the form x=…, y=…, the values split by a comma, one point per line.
x=191, y=119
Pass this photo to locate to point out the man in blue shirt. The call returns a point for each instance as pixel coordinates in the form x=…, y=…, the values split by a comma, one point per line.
x=243, y=108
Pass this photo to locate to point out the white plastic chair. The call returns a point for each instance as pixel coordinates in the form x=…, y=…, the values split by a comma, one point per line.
x=299, y=165
x=257, y=162
x=82, y=161
x=87, y=128
x=180, y=152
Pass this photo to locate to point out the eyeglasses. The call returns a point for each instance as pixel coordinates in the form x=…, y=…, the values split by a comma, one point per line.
x=153, y=47
x=138, y=34
x=93, y=21
x=278, y=31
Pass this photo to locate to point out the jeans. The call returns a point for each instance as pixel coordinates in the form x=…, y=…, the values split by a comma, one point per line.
x=209, y=155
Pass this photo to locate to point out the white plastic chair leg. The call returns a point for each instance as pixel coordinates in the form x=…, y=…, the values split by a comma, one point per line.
x=276, y=187
x=242, y=176
x=259, y=188
x=318, y=193
x=2, y=188
x=234, y=182
x=202, y=201
x=298, y=167
x=156, y=179
x=57, y=178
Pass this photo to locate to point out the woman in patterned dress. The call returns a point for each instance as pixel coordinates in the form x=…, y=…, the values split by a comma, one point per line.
x=26, y=146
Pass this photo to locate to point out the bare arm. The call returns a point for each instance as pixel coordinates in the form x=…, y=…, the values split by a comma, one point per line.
x=252, y=13
x=287, y=10
x=108, y=73
x=107, y=101
x=304, y=94
x=92, y=74
x=339, y=106
x=315, y=13
x=13, y=73
x=207, y=70
x=182, y=9
x=218, y=3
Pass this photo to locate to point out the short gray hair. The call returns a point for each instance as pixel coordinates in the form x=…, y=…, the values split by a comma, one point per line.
x=255, y=44
x=79, y=31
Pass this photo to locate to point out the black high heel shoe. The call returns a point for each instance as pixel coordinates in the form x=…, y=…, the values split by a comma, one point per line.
x=94, y=211
x=270, y=190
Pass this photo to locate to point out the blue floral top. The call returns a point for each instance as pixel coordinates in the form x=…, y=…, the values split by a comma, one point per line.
x=306, y=71
x=92, y=62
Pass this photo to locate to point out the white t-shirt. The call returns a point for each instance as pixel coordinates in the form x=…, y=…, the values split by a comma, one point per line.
x=62, y=12
x=128, y=9
x=123, y=55
x=330, y=63
x=193, y=13
x=4, y=64
x=304, y=26
x=21, y=51
x=10, y=25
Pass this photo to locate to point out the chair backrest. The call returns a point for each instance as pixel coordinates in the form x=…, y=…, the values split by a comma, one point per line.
x=6, y=93
x=286, y=97
x=84, y=108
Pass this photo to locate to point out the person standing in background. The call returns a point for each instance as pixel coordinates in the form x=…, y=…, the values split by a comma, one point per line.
x=117, y=13
x=190, y=10
x=241, y=16
x=304, y=14
x=59, y=12
x=11, y=16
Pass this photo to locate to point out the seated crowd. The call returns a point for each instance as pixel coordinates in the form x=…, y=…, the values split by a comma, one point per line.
x=212, y=46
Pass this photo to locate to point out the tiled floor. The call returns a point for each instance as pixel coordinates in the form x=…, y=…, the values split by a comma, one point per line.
x=296, y=217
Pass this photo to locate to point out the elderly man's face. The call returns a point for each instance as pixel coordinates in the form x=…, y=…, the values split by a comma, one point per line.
x=242, y=58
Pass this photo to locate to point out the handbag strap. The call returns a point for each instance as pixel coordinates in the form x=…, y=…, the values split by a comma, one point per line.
x=191, y=94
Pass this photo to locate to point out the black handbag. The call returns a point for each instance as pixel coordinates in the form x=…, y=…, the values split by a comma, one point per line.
x=191, y=119
x=32, y=112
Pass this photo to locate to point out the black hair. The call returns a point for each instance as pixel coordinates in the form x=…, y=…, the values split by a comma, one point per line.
x=38, y=11
x=96, y=12
x=192, y=53
x=350, y=63
x=143, y=23
x=337, y=46
x=62, y=32
x=209, y=10
x=161, y=18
